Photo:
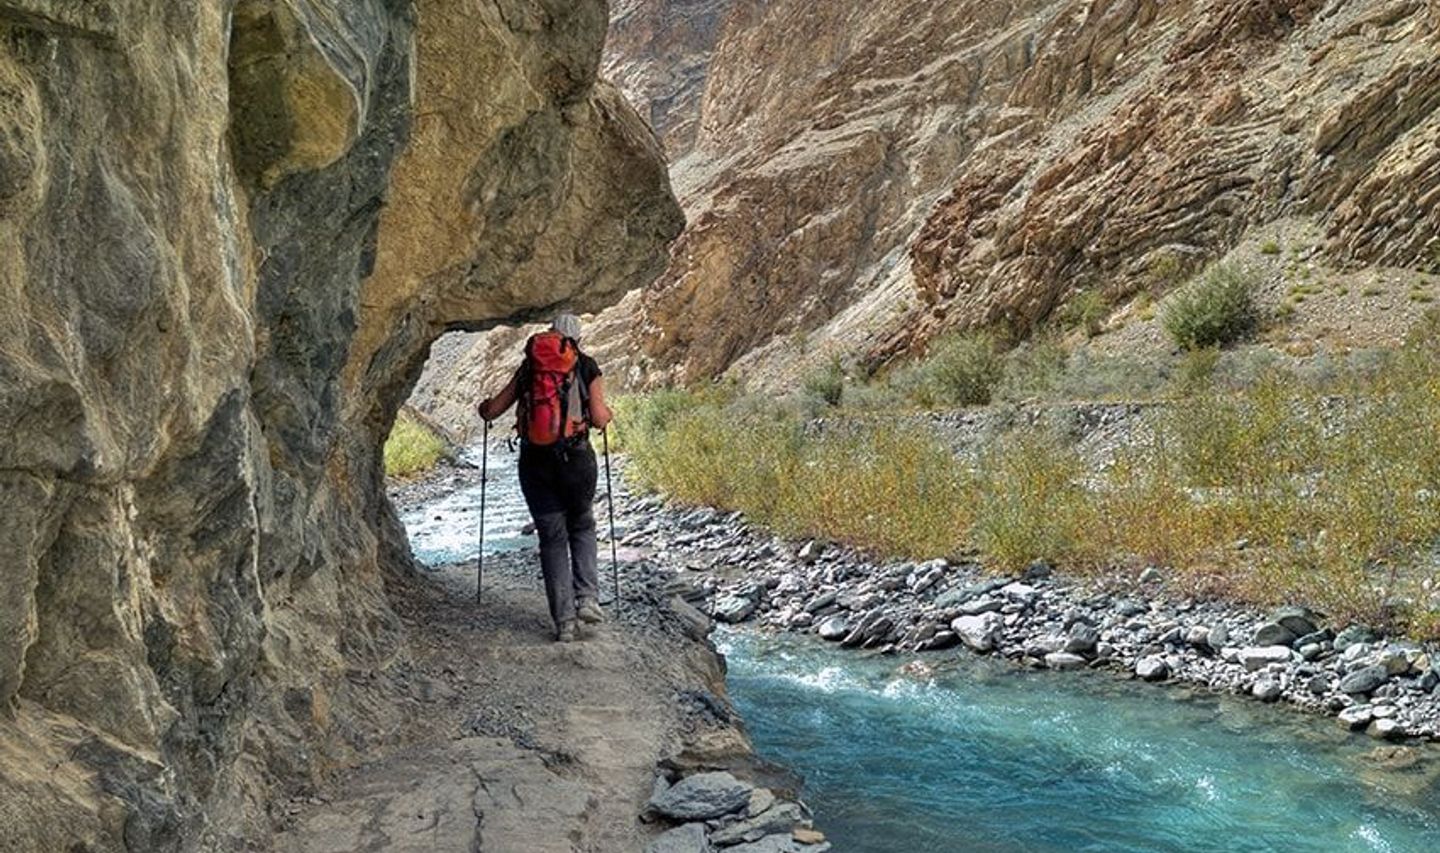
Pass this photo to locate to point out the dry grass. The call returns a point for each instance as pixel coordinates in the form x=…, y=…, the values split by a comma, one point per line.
x=412, y=447
x=1281, y=491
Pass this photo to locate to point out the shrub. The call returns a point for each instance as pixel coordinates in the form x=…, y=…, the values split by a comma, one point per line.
x=1086, y=310
x=1216, y=310
x=412, y=447
x=1270, y=247
x=827, y=384
x=961, y=370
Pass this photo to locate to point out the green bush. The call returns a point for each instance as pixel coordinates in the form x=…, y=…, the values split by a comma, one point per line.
x=827, y=384
x=960, y=370
x=1215, y=310
x=1086, y=310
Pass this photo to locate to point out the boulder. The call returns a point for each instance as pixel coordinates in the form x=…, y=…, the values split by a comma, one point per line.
x=1267, y=690
x=1082, y=639
x=702, y=797
x=834, y=629
x=1356, y=717
x=1364, y=680
x=978, y=632
x=1274, y=634
x=1152, y=668
x=1297, y=620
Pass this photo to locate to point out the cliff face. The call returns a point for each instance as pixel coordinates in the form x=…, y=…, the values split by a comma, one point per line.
x=230, y=232
x=860, y=176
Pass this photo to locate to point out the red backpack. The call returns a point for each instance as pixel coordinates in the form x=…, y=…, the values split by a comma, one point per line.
x=551, y=395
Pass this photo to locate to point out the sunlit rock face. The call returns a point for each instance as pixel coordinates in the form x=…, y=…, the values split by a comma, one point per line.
x=230, y=232
x=861, y=176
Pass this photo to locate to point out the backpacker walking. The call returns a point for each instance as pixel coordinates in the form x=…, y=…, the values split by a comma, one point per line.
x=561, y=395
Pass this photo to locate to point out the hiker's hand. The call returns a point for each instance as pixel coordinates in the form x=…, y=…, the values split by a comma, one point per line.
x=484, y=410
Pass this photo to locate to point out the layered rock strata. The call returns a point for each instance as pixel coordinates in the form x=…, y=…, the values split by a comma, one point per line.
x=230, y=232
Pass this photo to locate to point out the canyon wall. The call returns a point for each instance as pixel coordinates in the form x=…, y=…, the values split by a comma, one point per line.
x=860, y=177
x=229, y=232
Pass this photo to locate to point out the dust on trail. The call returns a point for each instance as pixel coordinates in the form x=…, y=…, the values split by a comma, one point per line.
x=518, y=743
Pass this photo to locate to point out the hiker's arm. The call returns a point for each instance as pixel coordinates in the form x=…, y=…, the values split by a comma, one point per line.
x=599, y=412
x=495, y=406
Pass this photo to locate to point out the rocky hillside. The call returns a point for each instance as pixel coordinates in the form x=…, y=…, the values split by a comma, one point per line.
x=230, y=232
x=861, y=176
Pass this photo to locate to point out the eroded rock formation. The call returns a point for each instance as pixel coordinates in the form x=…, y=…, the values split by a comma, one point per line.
x=230, y=232
x=862, y=176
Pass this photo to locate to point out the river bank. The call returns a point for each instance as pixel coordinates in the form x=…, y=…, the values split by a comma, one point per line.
x=513, y=742
x=1388, y=687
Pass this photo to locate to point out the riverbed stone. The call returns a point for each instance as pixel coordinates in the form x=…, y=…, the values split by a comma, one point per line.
x=1064, y=660
x=1274, y=634
x=1386, y=728
x=1364, y=680
x=834, y=629
x=1152, y=668
x=689, y=838
x=1219, y=637
x=1357, y=717
x=1353, y=635
x=1082, y=639
x=780, y=818
x=1267, y=690
x=703, y=796
x=1258, y=657
x=1297, y=620
x=734, y=608
x=984, y=604
x=761, y=799
x=978, y=632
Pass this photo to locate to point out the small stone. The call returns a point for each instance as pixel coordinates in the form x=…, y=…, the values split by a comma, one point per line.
x=1197, y=635
x=1267, y=690
x=1364, y=680
x=1297, y=620
x=804, y=835
x=1064, y=661
x=1357, y=717
x=1311, y=651
x=1395, y=661
x=1258, y=657
x=778, y=819
x=1274, y=634
x=985, y=604
x=1386, y=729
x=834, y=629
x=1152, y=668
x=1219, y=637
x=761, y=799
x=811, y=552
x=977, y=632
x=1082, y=639
x=1353, y=635
x=733, y=608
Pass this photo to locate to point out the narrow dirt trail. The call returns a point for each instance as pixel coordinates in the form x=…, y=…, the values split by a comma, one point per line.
x=518, y=743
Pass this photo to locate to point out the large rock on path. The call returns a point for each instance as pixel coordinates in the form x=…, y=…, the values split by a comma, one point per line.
x=702, y=797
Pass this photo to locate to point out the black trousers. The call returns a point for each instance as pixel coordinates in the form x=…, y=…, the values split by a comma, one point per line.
x=559, y=488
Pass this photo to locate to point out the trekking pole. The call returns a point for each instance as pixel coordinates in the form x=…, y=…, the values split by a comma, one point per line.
x=610, y=498
x=484, y=479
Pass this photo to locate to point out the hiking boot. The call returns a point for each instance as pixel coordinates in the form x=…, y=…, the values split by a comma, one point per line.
x=566, y=632
x=589, y=611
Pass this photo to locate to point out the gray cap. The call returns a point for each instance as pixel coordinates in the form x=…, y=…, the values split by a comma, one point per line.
x=567, y=325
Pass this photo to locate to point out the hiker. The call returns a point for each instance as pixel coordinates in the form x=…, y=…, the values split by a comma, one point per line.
x=561, y=395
